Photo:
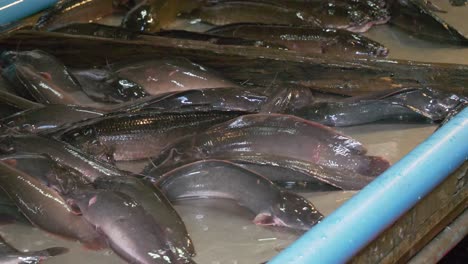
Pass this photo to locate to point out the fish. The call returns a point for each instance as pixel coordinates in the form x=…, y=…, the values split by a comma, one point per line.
x=424, y=104
x=225, y=180
x=66, y=181
x=329, y=156
x=453, y=112
x=43, y=78
x=292, y=177
x=419, y=19
x=130, y=231
x=60, y=152
x=305, y=173
x=11, y=104
x=45, y=118
x=46, y=208
x=154, y=15
x=139, y=135
x=229, y=12
x=306, y=40
x=46, y=65
x=155, y=203
x=65, y=12
x=9, y=212
x=266, y=67
x=354, y=16
x=249, y=99
x=50, y=173
x=11, y=255
x=105, y=31
x=131, y=80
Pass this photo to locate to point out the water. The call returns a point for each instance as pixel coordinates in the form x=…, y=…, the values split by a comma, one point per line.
x=221, y=229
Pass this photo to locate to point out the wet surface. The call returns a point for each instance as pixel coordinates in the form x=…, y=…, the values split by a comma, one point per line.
x=221, y=230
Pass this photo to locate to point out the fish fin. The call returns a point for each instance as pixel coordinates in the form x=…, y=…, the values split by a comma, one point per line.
x=264, y=219
x=377, y=165
x=50, y=252
x=75, y=209
x=95, y=244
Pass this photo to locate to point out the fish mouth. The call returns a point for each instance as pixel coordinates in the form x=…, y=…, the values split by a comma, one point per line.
x=381, y=52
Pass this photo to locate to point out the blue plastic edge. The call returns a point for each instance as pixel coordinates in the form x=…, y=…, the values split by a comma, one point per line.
x=13, y=10
x=357, y=222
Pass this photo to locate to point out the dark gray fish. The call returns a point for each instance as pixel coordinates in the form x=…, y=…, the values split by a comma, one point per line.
x=154, y=15
x=266, y=67
x=17, y=102
x=305, y=40
x=156, y=204
x=10, y=255
x=297, y=179
x=229, y=12
x=355, y=113
x=57, y=176
x=419, y=19
x=60, y=152
x=45, y=118
x=328, y=156
x=105, y=31
x=67, y=181
x=454, y=112
x=42, y=77
x=75, y=11
x=98, y=30
x=131, y=80
x=245, y=99
x=355, y=16
x=139, y=135
x=217, y=39
x=11, y=104
x=44, y=207
x=306, y=173
x=404, y=104
x=45, y=64
x=9, y=212
x=250, y=99
x=130, y=231
x=221, y=179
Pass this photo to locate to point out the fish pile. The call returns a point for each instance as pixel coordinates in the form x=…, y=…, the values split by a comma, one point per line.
x=201, y=131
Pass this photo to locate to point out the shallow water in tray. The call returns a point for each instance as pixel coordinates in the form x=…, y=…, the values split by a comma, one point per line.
x=221, y=230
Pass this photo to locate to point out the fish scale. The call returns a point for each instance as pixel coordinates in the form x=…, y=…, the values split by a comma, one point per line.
x=140, y=135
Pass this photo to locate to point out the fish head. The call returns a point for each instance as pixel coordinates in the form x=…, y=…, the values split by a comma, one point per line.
x=442, y=106
x=292, y=211
x=80, y=202
x=8, y=57
x=87, y=139
x=140, y=18
x=65, y=179
x=6, y=145
x=100, y=151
